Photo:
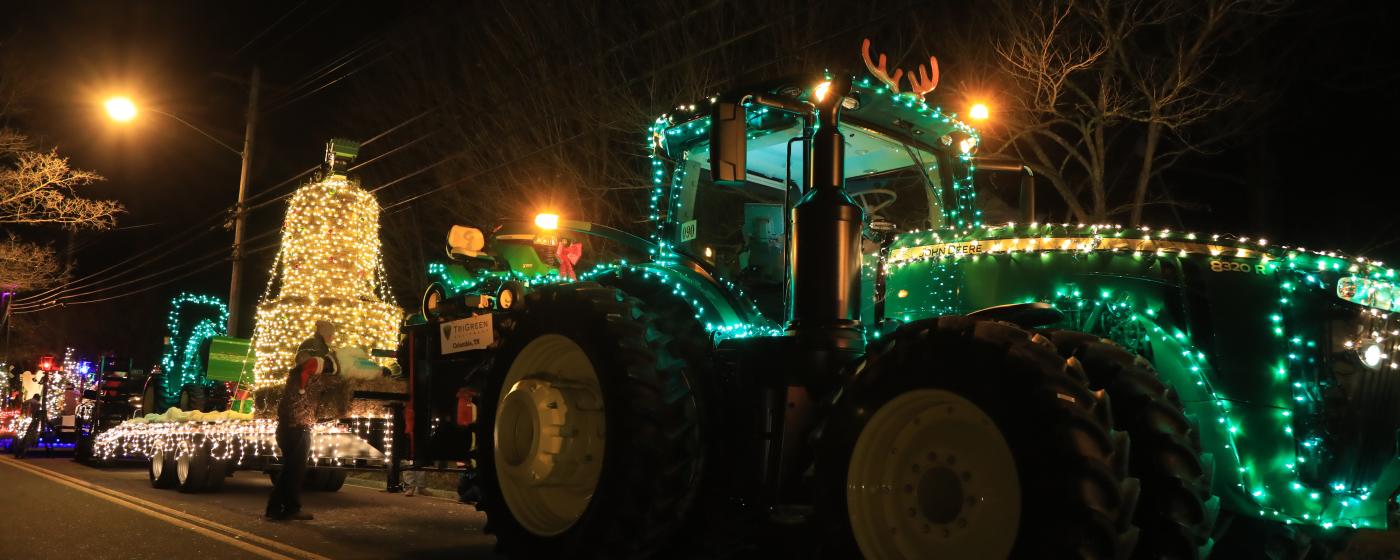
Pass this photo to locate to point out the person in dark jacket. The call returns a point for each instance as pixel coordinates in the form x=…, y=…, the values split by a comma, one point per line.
x=296, y=413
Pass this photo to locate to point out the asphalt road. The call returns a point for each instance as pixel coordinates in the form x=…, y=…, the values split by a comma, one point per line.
x=57, y=508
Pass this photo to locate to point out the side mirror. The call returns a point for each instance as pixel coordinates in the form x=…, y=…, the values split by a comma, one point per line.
x=729, y=143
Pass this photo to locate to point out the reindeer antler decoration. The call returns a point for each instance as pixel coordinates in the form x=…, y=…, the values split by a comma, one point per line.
x=879, y=70
x=919, y=86
x=927, y=80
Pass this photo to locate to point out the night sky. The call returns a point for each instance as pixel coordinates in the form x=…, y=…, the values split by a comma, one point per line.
x=191, y=59
x=1317, y=168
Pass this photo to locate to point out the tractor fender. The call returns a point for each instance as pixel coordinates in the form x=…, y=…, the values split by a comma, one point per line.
x=1024, y=315
x=716, y=306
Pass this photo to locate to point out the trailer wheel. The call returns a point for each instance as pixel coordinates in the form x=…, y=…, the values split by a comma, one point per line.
x=161, y=470
x=189, y=473
x=217, y=471
x=963, y=438
x=1177, y=513
x=586, y=440
x=199, y=471
x=324, y=480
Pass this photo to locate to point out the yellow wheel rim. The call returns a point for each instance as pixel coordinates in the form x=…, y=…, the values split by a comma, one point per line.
x=549, y=437
x=932, y=476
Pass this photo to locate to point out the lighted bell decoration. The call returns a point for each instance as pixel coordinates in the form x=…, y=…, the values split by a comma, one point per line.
x=329, y=267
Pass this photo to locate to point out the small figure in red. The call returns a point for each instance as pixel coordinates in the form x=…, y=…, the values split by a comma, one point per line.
x=568, y=253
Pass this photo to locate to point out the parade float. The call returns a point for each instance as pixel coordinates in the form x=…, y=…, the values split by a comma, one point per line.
x=328, y=268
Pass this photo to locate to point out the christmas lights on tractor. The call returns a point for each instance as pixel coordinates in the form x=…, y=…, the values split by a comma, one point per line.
x=826, y=344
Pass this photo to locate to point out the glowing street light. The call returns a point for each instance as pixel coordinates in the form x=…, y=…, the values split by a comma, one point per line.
x=121, y=109
x=979, y=112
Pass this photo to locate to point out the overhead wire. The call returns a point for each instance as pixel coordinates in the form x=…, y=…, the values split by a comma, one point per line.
x=267, y=29
x=50, y=302
x=144, y=288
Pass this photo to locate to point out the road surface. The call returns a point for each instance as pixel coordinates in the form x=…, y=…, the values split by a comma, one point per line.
x=57, y=508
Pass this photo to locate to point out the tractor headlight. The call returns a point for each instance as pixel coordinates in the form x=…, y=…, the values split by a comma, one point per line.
x=547, y=221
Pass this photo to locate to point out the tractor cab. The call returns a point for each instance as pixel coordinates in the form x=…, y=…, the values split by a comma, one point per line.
x=906, y=165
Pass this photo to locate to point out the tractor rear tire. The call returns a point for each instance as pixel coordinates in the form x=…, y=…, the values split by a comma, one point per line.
x=990, y=441
x=588, y=446
x=161, y=471
x=151, y=395
x=1248, y=538
x=1176, y=513
x=193, y=397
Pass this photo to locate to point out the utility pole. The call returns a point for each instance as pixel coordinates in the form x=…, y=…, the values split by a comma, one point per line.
x=239, y=216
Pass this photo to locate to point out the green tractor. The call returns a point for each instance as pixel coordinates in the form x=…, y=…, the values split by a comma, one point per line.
x=824, y=348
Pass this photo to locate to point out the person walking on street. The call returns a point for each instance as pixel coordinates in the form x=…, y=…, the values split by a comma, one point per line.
x=296, y=413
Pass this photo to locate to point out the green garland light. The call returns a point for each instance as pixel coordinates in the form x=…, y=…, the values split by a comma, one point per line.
x=181, y=359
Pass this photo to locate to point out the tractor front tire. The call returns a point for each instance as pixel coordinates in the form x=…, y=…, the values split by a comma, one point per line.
x=1176, y=513
x=511, y=296
x=588, y=447
x=965, y=438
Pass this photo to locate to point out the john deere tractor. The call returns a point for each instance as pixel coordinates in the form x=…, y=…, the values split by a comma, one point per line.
x=824, y=347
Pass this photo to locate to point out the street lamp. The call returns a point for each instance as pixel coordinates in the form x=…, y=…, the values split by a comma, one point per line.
x=123, y=109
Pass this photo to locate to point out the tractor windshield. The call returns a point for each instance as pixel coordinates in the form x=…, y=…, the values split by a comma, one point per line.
x=741, y=230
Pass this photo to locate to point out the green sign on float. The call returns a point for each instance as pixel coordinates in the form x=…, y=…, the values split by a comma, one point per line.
x=229, y=358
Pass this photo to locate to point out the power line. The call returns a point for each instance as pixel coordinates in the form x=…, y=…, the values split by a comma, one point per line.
x=348, y=74
x=350, y=55
x=265, y=30
x=78, y=284
x=147, y=287
x=60, y=300
x=304, y=25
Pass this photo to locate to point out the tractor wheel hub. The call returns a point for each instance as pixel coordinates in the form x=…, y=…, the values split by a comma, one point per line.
x=540, y=430
x=932, y=476
x=549, y=434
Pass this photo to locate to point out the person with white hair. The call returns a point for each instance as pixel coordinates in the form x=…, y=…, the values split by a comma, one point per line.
x=296, y=413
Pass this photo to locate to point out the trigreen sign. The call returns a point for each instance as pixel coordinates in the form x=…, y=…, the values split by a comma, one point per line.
x=229, y=358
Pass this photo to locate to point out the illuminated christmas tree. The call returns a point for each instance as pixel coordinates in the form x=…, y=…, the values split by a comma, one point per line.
x=329, y=267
